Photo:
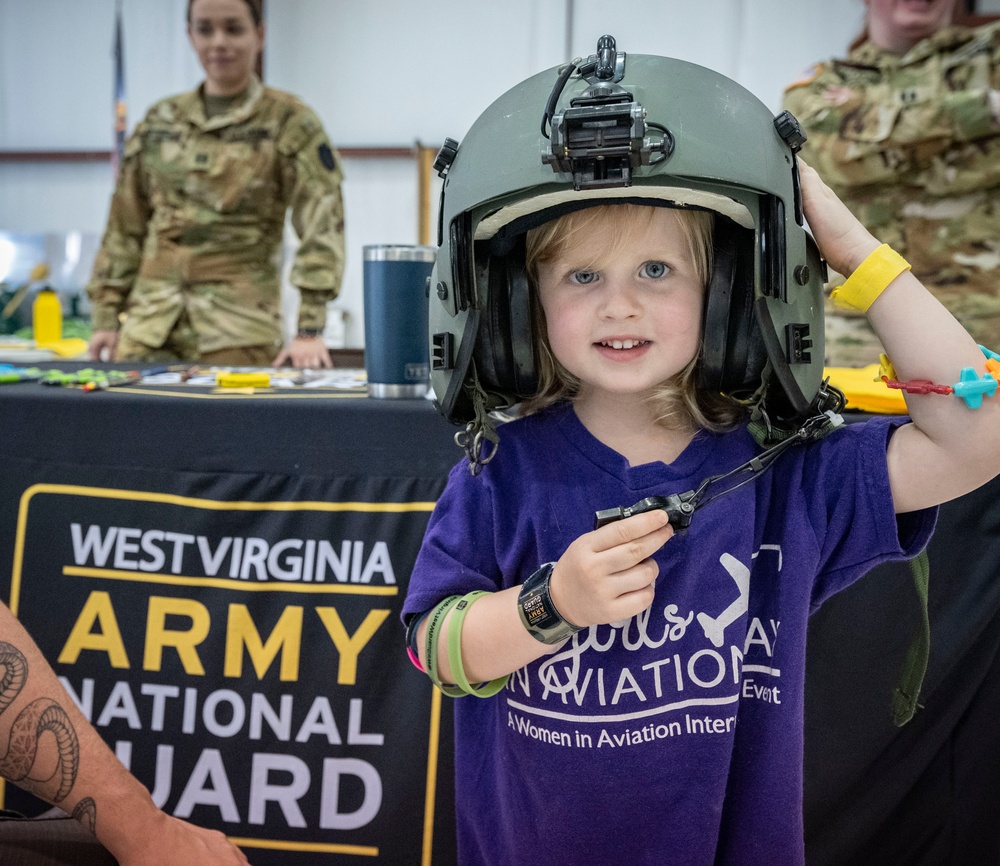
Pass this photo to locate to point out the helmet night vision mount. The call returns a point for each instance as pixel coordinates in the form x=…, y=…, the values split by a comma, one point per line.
x=639, y=129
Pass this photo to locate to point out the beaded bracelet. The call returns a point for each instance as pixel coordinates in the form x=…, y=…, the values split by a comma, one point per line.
x=971, y=387
x=870, y=279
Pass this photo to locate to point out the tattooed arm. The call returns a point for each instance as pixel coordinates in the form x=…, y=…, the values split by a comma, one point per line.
x=48, y=748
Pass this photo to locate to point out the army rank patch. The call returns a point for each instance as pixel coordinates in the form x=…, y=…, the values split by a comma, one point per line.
x=253, y=136
x=326, y=157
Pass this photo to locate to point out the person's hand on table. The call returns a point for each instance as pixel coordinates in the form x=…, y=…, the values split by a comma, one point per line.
x=101, y=340
x=302, y=352
x=168, y=841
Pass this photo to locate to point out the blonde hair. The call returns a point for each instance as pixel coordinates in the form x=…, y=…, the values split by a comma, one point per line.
x=677, y=401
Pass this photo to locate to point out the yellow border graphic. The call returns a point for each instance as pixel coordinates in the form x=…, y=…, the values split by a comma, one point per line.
x=179, y=580
x=227, y=583
x=193, y=502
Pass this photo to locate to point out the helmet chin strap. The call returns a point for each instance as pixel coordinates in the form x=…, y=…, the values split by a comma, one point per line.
x=829, y=402
x=473, y=438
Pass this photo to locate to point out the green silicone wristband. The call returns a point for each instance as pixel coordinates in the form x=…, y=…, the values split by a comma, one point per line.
x=483, y=690
x=434, y=622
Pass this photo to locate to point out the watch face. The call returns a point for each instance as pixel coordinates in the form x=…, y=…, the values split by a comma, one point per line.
x=534, y=610
x=538, y=614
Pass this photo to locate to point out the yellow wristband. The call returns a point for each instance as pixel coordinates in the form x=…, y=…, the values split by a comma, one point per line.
x=870, y=279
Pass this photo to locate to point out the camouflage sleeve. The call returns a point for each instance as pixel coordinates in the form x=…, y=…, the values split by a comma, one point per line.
x=975, y=109
x=120, y=254
x=863, y=132
x=971, y=110
x=824, y=104
x=972, y=115
x=313, y=176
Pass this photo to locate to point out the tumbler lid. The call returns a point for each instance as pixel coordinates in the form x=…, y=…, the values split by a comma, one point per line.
x=399, y=253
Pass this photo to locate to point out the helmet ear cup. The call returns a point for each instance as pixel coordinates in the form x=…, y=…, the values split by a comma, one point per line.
x=505, y=354
x=733, y=353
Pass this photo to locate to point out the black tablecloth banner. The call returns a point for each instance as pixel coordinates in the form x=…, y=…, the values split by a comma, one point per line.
x=238, y=643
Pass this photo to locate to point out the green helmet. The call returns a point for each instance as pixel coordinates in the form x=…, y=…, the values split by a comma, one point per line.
x=639, y=129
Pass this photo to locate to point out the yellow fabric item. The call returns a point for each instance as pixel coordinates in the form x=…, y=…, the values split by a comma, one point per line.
x=67, y=347
x=870, y=279
x=865, y=391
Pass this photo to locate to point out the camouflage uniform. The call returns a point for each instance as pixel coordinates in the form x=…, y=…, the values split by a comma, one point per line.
x=192, y=249
x=912, y=146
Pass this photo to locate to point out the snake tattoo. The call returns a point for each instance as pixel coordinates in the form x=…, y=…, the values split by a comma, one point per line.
x=40, y=716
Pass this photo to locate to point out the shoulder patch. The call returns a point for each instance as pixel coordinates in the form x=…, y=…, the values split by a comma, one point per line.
x=807, y=77
x=326, y=157
x=310, y=122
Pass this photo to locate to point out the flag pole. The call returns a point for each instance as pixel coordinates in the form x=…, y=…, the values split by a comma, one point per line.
x=120, y=114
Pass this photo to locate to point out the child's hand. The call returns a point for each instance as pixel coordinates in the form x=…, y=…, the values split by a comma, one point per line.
x=607, y=575
x=842, y=240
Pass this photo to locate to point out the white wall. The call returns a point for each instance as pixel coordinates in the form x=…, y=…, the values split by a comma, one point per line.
x=378, y=72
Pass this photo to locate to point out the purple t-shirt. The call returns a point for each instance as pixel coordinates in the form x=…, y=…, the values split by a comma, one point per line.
x=674, y=737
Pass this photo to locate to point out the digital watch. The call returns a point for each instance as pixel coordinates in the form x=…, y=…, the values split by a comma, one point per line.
x=539, y=615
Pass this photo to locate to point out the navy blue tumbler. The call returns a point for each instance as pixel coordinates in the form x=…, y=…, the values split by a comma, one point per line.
x=396, y=351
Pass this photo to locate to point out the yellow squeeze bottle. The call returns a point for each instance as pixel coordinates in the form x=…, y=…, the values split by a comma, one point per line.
x=46, y=317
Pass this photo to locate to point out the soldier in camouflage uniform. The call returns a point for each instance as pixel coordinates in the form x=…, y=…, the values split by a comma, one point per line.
x=910, y=141
x=192, y=250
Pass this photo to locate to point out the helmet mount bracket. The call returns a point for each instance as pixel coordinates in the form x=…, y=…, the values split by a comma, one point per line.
x=601, y=138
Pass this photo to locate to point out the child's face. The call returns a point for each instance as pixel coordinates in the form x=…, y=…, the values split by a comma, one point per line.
x=624, y=321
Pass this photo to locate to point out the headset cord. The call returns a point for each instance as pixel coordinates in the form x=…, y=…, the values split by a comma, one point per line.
x=680, y=507
x=812, y=428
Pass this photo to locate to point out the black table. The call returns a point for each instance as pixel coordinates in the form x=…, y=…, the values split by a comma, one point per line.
x=218, y=577
x=283, y=711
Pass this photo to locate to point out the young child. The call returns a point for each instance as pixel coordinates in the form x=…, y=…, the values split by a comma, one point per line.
x=644, y=686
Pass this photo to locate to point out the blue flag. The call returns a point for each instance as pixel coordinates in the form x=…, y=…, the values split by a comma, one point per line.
x=120, y=111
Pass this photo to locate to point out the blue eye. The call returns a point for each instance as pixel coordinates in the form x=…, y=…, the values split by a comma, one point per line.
x=655, y=270
x=584, y=278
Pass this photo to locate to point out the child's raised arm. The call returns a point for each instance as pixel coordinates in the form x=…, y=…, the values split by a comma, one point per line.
x=949, y=449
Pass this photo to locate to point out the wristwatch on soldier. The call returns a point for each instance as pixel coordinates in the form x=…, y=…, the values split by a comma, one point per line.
x=309, y=333
x=539, y=615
